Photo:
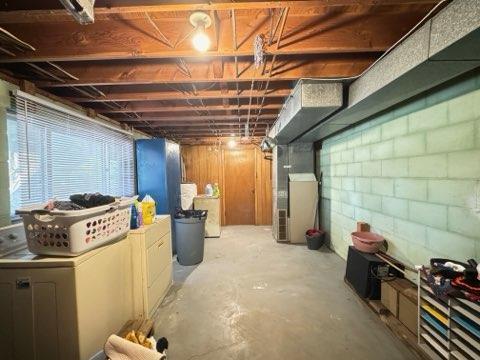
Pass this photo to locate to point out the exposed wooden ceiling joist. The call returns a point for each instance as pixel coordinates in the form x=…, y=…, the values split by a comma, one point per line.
x=212, y=132
x=137, y=65
x=210, y=140
x=174, y=95
x=192, y=118
x=151, y=72
x=331, y=31
x=48, y=10
x=160, y=109
x=184, y=124
x=183, y=114
x=225, y=128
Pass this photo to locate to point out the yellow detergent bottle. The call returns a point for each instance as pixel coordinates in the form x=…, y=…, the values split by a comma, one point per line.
x=216, y=190
x=148, y=210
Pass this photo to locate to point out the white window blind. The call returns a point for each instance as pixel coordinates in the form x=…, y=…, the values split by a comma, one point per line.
x=54, y=153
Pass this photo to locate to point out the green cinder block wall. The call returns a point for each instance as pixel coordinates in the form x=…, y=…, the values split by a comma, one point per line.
x=413, y=173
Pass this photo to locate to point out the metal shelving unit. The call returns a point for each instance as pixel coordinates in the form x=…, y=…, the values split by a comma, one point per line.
x=447, y=329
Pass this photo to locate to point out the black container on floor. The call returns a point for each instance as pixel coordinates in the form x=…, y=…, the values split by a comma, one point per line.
x=361, y=268
x=315, y=241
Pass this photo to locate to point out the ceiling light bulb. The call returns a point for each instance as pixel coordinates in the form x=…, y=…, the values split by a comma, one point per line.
x=200, y=40
x=231, y=143
x=200, y=21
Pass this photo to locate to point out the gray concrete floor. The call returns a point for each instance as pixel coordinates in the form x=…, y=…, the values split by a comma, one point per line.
x=252, y=298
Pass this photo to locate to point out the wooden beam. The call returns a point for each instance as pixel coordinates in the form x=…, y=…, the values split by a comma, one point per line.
x=153, y=72
x=216, y=27
x=38, y=11
x=197, y=129
x=202, y=134
x=174, y=95
x=365, y=30
x=217, y=68
x=139, y=108
x=184, y=124
x=191, y=118
x=209, y=140
x=206, y=133
x=205, y=112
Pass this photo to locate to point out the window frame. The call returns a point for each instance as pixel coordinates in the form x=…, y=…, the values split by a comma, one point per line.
x=117, y=148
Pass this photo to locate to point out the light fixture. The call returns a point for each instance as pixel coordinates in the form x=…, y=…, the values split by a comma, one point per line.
x=231, y=143
x=267, y=144
x=200, y=21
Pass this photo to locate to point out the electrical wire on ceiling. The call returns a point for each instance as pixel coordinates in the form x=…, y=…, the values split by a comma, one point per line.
x=21, y=45
x=389, y=50
x=14, y=41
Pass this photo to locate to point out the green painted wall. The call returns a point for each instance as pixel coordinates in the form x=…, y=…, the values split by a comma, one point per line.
x=413, y=173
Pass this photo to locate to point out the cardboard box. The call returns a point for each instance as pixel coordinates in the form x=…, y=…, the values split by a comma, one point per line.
x=390, y=297
x=407, y=312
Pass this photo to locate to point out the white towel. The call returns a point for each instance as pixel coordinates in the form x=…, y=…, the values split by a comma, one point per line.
x=117, y=348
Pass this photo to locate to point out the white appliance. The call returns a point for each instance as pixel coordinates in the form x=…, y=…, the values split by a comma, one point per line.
x=302, y=205
x=61, y=308
x=187, y=192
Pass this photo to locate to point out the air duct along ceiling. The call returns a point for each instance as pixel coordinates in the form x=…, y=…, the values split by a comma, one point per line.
x=444, y=47
x=310, y=102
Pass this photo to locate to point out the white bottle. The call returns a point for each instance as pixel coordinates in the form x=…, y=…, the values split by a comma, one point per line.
x=209, y=190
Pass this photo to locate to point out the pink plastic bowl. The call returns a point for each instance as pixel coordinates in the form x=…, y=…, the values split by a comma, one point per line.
x=367, y=241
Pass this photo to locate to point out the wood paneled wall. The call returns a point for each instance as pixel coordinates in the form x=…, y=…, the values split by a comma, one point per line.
x=263, y=189
x=205, y=164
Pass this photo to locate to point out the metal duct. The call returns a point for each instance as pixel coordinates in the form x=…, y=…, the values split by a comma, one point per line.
x=443, y=48
x=309, y=103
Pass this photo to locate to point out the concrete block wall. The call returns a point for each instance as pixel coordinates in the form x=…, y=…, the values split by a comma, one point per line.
x=413, y=173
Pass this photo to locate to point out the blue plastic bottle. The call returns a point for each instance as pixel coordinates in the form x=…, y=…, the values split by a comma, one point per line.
x=134, y=218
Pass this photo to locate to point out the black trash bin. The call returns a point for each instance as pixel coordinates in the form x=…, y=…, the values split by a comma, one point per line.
x=316, y=240
x=190, y=236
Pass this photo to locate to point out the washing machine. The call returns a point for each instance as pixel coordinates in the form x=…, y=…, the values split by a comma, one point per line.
x=61, y=308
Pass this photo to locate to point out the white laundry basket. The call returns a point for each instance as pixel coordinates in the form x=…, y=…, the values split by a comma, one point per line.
x=72, y=232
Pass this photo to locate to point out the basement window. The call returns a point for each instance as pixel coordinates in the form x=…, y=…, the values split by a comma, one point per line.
x=53, y=154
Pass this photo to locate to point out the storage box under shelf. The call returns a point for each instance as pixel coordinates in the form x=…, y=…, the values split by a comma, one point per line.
x=447, y=328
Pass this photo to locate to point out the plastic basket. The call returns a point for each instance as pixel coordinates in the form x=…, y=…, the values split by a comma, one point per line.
x=72, y=232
